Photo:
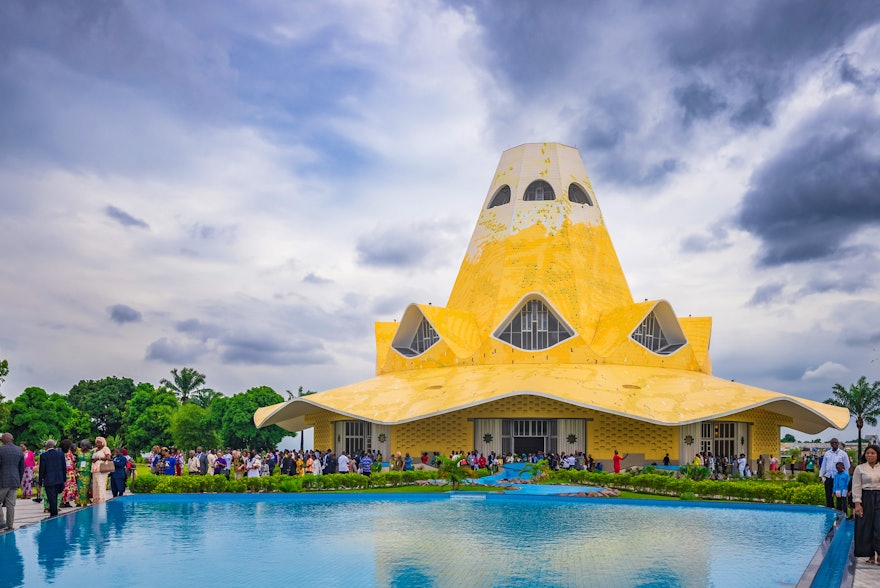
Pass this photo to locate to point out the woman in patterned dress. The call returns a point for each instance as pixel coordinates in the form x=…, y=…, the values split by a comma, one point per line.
x=27, y=480
x=70, y=493
x=84, y=472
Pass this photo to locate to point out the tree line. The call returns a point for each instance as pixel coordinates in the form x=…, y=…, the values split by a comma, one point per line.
x=179, y=411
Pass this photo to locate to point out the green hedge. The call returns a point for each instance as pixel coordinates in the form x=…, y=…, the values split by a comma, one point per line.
x=802, y=491
x=149, y=484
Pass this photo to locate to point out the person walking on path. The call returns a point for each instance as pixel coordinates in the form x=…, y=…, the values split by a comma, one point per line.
x=866, y=496
x=11, y=472
x=829, y=469
x=53, y=473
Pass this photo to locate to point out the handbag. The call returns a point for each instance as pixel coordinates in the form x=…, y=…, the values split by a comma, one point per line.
x=105, y=467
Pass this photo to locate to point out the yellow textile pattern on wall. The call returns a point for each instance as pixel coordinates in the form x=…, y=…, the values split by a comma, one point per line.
x=444, y=433
x=609, y=432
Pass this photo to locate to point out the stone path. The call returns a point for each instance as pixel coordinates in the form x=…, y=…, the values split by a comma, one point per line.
x=28, y=512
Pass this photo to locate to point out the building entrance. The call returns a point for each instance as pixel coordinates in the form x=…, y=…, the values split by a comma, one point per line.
x=528, y=445
x=528, y=436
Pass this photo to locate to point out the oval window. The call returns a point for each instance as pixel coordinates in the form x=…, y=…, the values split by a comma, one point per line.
x=578, y=195
x=502, y=196
x=539, y=190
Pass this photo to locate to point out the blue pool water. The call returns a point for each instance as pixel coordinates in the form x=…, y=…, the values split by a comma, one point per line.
x=413, y=540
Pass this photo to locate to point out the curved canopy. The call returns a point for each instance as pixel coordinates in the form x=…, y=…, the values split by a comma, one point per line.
x=656, y=395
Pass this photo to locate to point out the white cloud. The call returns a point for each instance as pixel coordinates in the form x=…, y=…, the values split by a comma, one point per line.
x=827, y=370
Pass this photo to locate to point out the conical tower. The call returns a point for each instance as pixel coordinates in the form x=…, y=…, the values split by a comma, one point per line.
x=540, y=231
x=541, y=283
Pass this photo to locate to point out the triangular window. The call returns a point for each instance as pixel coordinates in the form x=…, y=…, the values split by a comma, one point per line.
x=424, y=337
x=534, y=327
x=651, y=335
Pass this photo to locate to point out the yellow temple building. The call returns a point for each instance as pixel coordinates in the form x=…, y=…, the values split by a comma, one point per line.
x=541, y=347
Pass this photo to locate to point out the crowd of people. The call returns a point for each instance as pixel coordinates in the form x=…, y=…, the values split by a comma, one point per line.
x=63, y=475
x=234, y=463
x=70, y=475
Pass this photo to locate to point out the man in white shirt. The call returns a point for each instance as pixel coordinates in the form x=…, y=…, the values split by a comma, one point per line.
x=342, y=463
x=829, y=468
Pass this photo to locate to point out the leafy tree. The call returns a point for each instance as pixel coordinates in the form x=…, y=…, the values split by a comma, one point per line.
x=36, y=416
x=862, y=400
x=4, y=405
x=205, y=397
x=147, y=418
x=238, y=428
x=185, y=383
x=789, y=438
x=217, y=411
x=104, y=401
x=191, y=427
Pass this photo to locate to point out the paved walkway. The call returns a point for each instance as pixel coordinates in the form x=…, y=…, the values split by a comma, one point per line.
x=28, y=512
x=866, y=576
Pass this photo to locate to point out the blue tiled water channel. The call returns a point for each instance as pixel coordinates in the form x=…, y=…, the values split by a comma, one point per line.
x=414, y=540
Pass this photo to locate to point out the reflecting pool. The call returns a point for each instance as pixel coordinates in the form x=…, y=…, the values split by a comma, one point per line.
x=414, y=540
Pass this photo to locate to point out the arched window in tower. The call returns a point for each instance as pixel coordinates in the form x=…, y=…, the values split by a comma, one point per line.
x=578, y=195
x=502, y=196
x=650, y=335
x=534, y=327
x=424, y=337
x=539, y=190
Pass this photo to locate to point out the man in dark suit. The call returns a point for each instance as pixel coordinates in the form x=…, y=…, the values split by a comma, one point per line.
x=203, y=461
x=11, y=471
x=52, y=474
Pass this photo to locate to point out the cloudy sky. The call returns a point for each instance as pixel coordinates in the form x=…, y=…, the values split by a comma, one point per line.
x=245, y=188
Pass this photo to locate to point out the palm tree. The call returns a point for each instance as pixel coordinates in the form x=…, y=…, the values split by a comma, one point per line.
x=862, y=400
x=451, y=471
x=205, y=396
x=185, y=383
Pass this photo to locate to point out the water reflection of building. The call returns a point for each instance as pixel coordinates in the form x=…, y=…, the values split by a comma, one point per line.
x=542, y=347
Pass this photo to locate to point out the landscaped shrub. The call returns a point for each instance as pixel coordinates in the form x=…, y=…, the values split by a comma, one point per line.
x=807, y=478
x=695, y=472
x=144, y=484
x=291, y=484
x=808, y=494
x=482, y=473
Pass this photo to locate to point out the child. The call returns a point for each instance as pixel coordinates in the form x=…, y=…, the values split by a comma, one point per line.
x=841, y=484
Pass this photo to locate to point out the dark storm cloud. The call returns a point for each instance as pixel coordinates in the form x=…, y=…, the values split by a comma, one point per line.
x=805, y=203
x=260, y=350
x=169, y=351
x=121, y=314
x=405, y=246
x=612, y=64
x=847, y=281
x=392, y=249
x=699, y=101
x=124, y=218
x=197, y=329
x=766, y=294
x=850, y=74
x=92, y=85
x=757, y=49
